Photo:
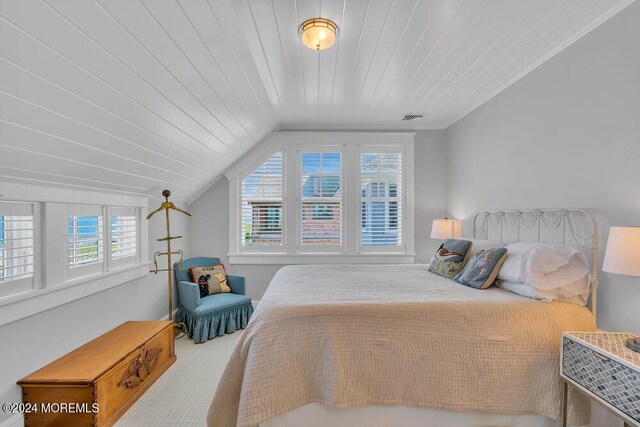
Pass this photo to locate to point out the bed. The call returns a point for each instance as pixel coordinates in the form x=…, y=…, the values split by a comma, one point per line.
x=395, y=344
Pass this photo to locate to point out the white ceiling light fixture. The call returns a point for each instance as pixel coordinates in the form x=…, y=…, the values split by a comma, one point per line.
x=318, y=33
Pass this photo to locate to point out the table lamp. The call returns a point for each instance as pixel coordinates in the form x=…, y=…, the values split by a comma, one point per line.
x=622, y=256
x=446, y=228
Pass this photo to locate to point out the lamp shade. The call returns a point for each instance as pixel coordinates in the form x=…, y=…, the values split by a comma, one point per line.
x=446, y=229
x=622, y=255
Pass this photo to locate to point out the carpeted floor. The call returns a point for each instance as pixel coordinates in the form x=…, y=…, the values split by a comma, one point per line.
x=181, y=396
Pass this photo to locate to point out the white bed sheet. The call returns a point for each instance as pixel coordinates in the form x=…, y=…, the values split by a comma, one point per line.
x=317, y=415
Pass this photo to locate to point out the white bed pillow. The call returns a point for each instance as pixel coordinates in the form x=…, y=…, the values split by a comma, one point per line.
x=576, y=292
x=544, y=266
x=477, y=245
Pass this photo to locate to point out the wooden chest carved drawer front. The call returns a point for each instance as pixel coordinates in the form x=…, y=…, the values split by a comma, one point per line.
x=112, y=372
x=601, y=365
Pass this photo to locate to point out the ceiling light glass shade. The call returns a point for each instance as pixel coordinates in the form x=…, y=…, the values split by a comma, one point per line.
x=318, y=33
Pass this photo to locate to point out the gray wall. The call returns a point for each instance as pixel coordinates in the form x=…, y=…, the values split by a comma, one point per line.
x=566, y=135
x=209, y=229
x=30, y=343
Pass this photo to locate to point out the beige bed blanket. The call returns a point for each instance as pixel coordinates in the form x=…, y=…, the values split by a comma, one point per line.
x=395, y=335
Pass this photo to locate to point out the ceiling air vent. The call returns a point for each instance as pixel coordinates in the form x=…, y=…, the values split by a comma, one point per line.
x=412, y=117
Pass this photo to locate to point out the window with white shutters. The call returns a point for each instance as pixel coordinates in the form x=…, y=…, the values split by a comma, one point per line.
x=124, y=234
x=321, y=204
x=262, y=204
x=381, y=199
x=315, y=197
x=17, y=247
x=86, y=238
x=67, y=245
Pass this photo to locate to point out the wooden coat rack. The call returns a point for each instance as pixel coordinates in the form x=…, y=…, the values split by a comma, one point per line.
x=167, y=206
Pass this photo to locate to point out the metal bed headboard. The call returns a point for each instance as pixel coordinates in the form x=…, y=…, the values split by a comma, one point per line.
x=545, y=219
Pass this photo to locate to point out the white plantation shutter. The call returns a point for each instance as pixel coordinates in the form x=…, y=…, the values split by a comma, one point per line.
x=124, y=233
x=261, y=210
x=85, y=234
x=321, y=199
x=17, y=246
x=381, y=199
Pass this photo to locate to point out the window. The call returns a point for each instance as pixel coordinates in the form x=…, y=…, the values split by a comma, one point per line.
x=17, y=247
x=58, y=245
x=261, y=209
x=85, y=240
x=380, y=207
x=95, y=245
x=124, y=239
x=321, y=199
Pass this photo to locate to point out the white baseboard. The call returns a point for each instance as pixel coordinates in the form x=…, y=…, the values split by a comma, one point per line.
x=254, y=302
x=14, y=420
x=175, y=310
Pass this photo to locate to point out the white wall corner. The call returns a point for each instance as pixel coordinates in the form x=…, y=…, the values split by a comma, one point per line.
x=204, y=190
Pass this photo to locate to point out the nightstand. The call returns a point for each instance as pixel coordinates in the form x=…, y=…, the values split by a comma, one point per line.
x=601, y=366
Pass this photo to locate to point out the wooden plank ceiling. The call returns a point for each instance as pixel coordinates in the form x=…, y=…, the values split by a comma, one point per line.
x=134, y=96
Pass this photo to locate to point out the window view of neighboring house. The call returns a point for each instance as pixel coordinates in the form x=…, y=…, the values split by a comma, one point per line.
x=381, y=175
x=321, y=199
x=262, y=204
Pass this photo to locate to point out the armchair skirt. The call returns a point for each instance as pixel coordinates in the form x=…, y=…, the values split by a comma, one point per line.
x=213, y=315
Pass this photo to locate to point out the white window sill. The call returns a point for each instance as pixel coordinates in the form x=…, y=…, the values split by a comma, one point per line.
x=277, y=259
x=18, y=306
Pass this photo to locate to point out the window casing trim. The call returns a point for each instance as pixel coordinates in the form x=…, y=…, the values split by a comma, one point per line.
x=350, y=144
x=320, y=258
x=52, y=285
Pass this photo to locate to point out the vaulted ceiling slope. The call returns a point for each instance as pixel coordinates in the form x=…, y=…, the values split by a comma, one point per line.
x=126, y=95
x=134, y=96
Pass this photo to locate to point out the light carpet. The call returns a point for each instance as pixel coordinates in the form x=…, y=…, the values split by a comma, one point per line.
x=182, y=395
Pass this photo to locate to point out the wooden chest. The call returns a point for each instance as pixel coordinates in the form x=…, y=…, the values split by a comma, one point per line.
x=96, y=383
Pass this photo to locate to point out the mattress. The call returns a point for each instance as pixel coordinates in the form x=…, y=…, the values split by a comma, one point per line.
x=349, y=336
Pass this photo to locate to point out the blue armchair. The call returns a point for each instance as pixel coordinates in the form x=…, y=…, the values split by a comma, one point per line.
x=212, y=315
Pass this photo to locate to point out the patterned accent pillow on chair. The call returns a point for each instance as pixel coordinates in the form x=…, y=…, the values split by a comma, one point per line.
x=483, y=268
x=450, y=257
x=210, y=280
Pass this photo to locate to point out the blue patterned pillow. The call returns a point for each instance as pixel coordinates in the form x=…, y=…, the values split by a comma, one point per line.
x=450, y=257
x=482, y=269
